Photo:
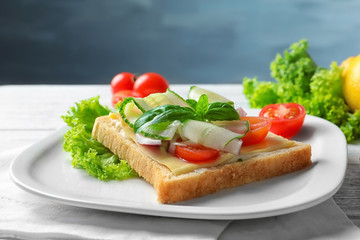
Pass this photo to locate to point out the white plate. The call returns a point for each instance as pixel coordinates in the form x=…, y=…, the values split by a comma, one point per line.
x=44, y=169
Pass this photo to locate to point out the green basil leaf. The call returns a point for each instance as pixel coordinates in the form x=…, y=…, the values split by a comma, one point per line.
x=160, y=126
x=221, y=111
x=163, y=114
x=192, y=103
x=202, y=106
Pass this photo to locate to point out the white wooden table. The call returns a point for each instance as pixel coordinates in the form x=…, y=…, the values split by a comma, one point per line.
x=31, y=112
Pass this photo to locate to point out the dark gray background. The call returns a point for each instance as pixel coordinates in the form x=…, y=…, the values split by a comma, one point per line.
x=192, y=41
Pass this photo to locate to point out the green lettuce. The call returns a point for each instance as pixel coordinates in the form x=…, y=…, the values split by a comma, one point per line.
x=87, y=153
x=299, y=79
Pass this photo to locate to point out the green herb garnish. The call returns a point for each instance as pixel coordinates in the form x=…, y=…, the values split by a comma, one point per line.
x=154, y=122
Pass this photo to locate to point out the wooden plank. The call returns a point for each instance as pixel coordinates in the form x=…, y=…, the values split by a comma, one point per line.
x=348, y=196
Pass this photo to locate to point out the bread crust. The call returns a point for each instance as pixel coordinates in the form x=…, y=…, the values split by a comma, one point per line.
x=171, y=188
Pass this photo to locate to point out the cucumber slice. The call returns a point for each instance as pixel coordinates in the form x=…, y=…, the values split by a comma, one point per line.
x=211, y=136
x=195, y=92
x=237, y=126
x=175, y=98
x=161, y=131
x=168, y=97
x=132, y=108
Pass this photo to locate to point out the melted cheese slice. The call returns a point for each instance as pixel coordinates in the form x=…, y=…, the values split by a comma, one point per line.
x=271, y=142
x=178, y=166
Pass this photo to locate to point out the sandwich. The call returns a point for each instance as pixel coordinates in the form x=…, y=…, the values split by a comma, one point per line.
x=194, y=147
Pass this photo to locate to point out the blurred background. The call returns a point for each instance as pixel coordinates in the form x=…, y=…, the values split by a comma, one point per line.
x=189, y=41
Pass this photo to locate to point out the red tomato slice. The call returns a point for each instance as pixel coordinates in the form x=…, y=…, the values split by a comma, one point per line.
x=196, y=153
x=119, y=96
x=122, y=81
x=287, y=118
x=259, y=128
x=149, y=83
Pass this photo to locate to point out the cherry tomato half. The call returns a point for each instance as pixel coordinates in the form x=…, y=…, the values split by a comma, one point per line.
x=196, y=153
x=148, y=83
x=259, y=128
x=122, y=81
x=120, y=95
x=287, y=118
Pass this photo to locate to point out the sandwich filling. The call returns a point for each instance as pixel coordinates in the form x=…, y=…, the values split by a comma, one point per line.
x=160, y=123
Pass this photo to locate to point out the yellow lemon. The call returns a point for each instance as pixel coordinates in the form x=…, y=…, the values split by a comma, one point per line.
x=351, y=81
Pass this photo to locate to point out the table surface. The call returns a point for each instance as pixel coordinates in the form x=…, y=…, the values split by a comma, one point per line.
x=31, y=112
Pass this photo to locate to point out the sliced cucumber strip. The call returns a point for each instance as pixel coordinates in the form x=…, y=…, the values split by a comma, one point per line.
x=195, y=92
x=162, y=131
x=211, y=136
x=175, y=98
x=168, y=97
x=237, y=126
x=132, y=108
x=141, y=139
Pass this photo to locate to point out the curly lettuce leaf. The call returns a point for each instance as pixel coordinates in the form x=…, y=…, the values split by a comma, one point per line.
x=327, y=81
x=260, y=93
x=351, y=126
x=87, y=153
x=85, y=112
x=298, y=79
x=295, y=68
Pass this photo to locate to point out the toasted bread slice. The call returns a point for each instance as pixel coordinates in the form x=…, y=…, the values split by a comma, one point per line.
x=172, y=188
